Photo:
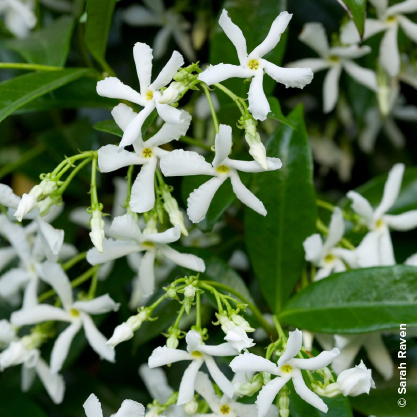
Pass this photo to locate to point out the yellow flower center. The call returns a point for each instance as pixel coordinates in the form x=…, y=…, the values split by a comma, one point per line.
x=223, y=169
x=379, y=224
x=329, y=258
x=147, y=153
x=286, y=369
x=253, y=64
x=225, y=409
x=149, y=95
x=390, y=19
x=74, y=313
x=333, y=59
x=196, y=354
x=148, y=244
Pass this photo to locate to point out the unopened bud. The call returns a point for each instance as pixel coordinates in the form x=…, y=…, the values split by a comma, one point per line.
x=172, y=293
x=257, y=151
x=189, y=291
x=172, y=341
x=225, y=322
x=248, y=388
x=121, y=333
x=241, y=322
x=97, y=230
x=283, y=403
x=171, y=94
x=26, y=205
x=191, y=407
x=171, y=207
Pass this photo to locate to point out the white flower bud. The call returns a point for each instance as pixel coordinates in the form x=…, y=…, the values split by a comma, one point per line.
x=175, y=215
x=121, y=333
x=241, y=322
x=329, y=391
x=238, y=339
x=172, y=293
x=248, y=388
x=225, y=322
x=356, y=381
x=170, y=95
x=97, y=230
x=172, y=341
x=258, y=152
x=191, y=407
x=189, y=291
x=26, y=204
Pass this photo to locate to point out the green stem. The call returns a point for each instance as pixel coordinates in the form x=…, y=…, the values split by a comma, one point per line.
x=93, y=285
x=212, y=109
x=324, y=229
x=30, y=67
x=157, y=302
x=198, y=312
x=251, y=306
x=26, y=157
x=277, y=324
x=93, y=186
x=71, y=176
x=67, y=163
x=215, y=293
x=77, y=258
x=194, y=142
x=240, y=103
x=180, y=314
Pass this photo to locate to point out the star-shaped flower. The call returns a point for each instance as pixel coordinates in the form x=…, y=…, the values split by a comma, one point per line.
x=253, y=65
x=149, y=95
x=388, y=20
x=288, y=367
x=110, y=157
x=76, y=313
x=180, y=163
x=337, y=59
x=198, y=353
x=129, y=408
x=19, y=16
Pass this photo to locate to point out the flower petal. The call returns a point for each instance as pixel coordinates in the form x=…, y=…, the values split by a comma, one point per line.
x=393, y=133
x=336, y=230
x=62, y=345
x=253, y=166
x=112, y=249
x=200, y=199
x=142, y=198
x=183, y=39
x=92, y=407
x=408, y=6
x=218, y=377
x=163, y=355
x=307, y=395
x=367, y=253
x=6, y=256
x=258, y=104
x=16, y=235
x=361, y=206
x=54, y=238
x=169, y=236
x=349, y=347
x=386, y=251
x=223, y=145
x=234, y=33
x=186, y=390
x=142, y=54
x=314, y=36
x=217, y=73
x=389, y=56
x=315, y=64
x=7, y=197
x=160, y=43
x=12, y=281
x=186, y=260
x=130, y=408
x=313, y=248
x=147, y=273
x=112, y=87
x=246, y=196
x=409, y=28
x=268, y=393
x=28, y=376
x=204, y=387
x=290, y=77
x=224, y=349
x=168, y=72
x=391, y=190
x=99, y=305
x=320, y=361
x=380, y=6
x=125, y=227
x=331, y=88
x=169, y=114
x=156, y=383
x=378, y=355
x=369, y=133
x=38, y=314
x=405, y=221
x=363, y=76
x=53, y=383
x=133, y=131
x=111, y=158
x=123, y=115
x=136, y=15
x=182, y=163
x=248, y=362
x=96, y=340
x=294, y=344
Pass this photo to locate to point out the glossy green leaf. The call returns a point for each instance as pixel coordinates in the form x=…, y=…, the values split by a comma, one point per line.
x=99, y=18
x=109, y=126
x=275, y=242
x=276, y=112
x=15, y=403
x=356, y=10
x=18, y=91
x=48, y=46
x=357, y=301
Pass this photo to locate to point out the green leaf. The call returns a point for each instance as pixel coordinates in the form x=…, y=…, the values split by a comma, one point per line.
x=356, y=10
x=276, y=112
x=357, y=301
x=275, y=243
x=99, y=17
x=48, y=46
x=18, y=91
x=109, y=126
x=15, y=403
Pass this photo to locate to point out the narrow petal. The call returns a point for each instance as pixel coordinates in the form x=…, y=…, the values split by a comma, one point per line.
x=163, y=356
x=62, y=345
x=349, y=347
x=6, y=257
x=204, y=387
x=38, y=314
x=112, y=87
x=169, y=236
x=409, y=28
x=185, y=260
x=378, y=355
x=274, y=35
x=16, y=236
x=160, y=43
x=369, y=133
x=96, y=340
x=112, y=249
x=320, y=361
x=268, y=393
x=408, y=6
x=53, y=237
x=307, y=395
x=246, y=196
x=7, y=197
x=314, y=36
x=142, y=198
x=315, y=64
x=133, y=131
x=336, y=230
x=323, y=272
x=361, y=206
x=331, y=88
x=250, y=410
x=363, y=76
x=223, y=145
x=313, y=248
x=53, y=383
x=391, y=189
x=125, y=227
x=234, y=33
x=182, y=163
x=28, y=376
x=380, y=6
x=99, y=305
x=111, y=158
x=169, y=114
x=224, y=349
x=350, y=52
x=393, y=133
x=224, y=384
x=147, y=273
x=253, y=166
x=13, y=281
x=294, y=344
x=248, y=362
x=142, y=54
x=200, y=199
x=168, y=72
x=217, y=73
x=92, y=407
x=290, y=77
x=258, y=104
x=386, y=251
x=183, y=39
x=367, y=253
x=350, y=33
x=389, y=55
x=186, y=390
x=156, y=383
x=136, y=15
x=405, y=221
x=193, y=339
x=123, y=115
x=130, y=408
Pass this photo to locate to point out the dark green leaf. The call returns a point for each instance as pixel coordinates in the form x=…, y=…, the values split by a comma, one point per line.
x=356, y=10
x=48, y=46
x=276, y=113
x=109, y=126
x=99, y=17
x=357, y=301
x=18, y=91
x=15, y=403
x=275, y=242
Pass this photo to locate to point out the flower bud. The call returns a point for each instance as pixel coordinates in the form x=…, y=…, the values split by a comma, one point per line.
x=283, y=403
x=258, y=152
x=172, y=293
x=329, y=391
x=241, y=322
x=171, y=94
x=121, y=333
x=248, y=388
x=356, y=381
x=191, y=407
x=189, y=291
x=225, y=322
x=172, y=341
x=26, y=205
x=238, y=339
x=97, y=230
x=175, y=215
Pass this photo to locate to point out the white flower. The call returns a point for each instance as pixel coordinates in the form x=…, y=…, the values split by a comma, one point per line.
x=197, y=353
x=172, y=24
x=181, y=162
x=378, y=241
x=336, y=58
x=378, y=355
x=111, y=158
x=76, y=313
x=131, y=240
x=238, y=339
x=356, y=381
x=129, y=408
x=19, y=16
x=7, y=332
x=388, y=20
x=121, y=333
x=149, y=95
x=156, y=383
x=26, y=205
x=97, y=230
x=288, y=367
x=253, y=65
x=328, y=257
